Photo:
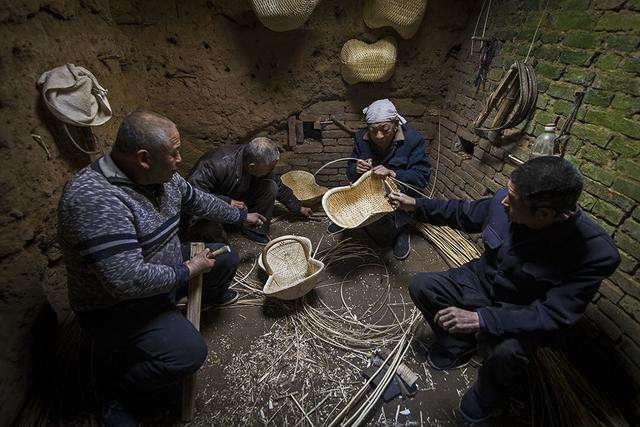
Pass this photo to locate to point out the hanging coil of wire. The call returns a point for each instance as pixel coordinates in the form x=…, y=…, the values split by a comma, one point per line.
x=514, y=100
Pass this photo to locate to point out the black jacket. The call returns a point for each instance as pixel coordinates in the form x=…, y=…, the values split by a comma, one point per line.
x=536, y=280
x=220, y=172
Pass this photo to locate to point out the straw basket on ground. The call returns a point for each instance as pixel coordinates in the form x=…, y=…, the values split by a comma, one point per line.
x=360, y=203
x=304, y=186
x=291, y=269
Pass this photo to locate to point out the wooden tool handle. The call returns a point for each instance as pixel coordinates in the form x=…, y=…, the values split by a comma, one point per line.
x=223, y=250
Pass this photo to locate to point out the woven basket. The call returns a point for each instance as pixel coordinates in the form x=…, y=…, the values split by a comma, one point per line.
x=292, y=272
x=404, y=16
x=359, y=204
x=304, y=186
x=362, y=62
x=283, y=15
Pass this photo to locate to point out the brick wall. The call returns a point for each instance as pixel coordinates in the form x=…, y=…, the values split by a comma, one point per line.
x=582, y=43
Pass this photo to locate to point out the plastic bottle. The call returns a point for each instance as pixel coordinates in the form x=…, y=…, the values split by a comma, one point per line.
x=544, y=144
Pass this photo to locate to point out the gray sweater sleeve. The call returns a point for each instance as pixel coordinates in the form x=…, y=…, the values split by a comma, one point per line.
x=205, y=205
x=96, y=229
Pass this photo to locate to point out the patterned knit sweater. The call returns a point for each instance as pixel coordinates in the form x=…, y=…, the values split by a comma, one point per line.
x=120, y=240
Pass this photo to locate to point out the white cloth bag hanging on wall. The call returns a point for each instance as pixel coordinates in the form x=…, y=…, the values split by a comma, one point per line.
x=74, y=96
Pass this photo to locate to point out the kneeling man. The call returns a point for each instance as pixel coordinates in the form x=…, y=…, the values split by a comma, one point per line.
x=543, y=262
x=242, y=175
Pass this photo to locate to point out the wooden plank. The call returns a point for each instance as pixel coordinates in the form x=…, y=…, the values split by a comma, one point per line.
x=194, y=304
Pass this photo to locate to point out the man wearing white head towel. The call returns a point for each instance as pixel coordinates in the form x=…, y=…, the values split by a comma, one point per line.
x=390, y=147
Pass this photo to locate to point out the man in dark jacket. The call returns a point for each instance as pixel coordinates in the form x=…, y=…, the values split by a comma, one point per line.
x=390, y=147
x=543, y=262
x=242, y=176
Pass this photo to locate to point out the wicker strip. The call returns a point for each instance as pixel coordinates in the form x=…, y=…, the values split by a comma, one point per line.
x=292, y=271
x=359, y=204
x=362, y=62
x=283, y=15
x=404, y=16
x=304, y=186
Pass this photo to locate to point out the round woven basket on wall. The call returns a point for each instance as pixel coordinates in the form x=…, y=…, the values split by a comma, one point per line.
x=304, y=186
x=291, y=269
x=283, y=15
x=360, y=203
x=362, y=62
x=404, y=16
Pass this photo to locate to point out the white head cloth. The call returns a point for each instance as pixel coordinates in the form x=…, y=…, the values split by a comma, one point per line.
x=382, y=110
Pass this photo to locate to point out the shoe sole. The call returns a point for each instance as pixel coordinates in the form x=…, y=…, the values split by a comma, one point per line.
x=471, y=420
x=448, y=368
x=405, y=256
x=224, y=304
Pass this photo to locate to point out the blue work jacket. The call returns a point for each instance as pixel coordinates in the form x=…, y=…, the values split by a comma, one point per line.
x=407, y=156
x=534, y=281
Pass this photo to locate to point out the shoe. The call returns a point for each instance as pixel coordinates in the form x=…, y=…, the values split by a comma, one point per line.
x=472, y=410
x=114, y=414
x=228, y=298
x=443, y=360
x=256, y=236
x=402, y=246
x=334, y=228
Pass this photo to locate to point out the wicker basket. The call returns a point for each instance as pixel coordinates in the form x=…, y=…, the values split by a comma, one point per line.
x=283, y=15
x=359, y=204
x=404, y=16
x=362, y=62
x=304, y=186
x=292, y=272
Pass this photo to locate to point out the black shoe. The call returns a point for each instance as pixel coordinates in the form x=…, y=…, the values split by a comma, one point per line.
x=443, y=360
x=473, y=410
x=402, y=246
x=228, y=298
x=334, y=228
x=114, y=414
x=256, y=236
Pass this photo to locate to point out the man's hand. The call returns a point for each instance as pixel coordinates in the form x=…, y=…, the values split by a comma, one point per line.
x=306, y=212
x=458, y=321
x=380, y=171
x=254, y=220
x=402, y=201
x=238, y=204
x=363, y=165
x=201, y=263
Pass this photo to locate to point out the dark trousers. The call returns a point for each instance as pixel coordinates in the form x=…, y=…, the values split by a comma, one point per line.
x=504, y=367
x=260, y=198
x=147, y=346
x=386, y=229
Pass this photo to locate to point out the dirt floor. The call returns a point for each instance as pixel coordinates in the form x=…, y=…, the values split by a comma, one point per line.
x=262, y=368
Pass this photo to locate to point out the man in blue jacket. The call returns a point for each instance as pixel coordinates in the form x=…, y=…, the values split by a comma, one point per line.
x=390, y=147
x=543, y=262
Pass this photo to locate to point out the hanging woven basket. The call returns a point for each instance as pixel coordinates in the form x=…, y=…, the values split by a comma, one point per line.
x=362, y=62
x=304, y=186
x=359, y=204
x=404, y=16
x=283, y=15
x=291, y=269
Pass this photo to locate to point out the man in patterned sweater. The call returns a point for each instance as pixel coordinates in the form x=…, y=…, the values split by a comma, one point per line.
x=118, y=223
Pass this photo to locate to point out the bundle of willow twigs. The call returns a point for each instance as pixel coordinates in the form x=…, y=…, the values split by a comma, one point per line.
x=562, y=396
x=456, y=248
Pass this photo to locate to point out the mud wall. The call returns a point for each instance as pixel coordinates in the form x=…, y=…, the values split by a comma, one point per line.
x=208, y=65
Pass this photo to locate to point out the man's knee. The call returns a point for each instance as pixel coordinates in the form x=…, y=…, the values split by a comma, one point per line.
x=506, y=353
x=188, y=356
x=421, y=287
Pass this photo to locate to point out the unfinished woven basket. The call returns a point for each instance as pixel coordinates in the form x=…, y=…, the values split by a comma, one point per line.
x=304, y=186
x=359, y=204
x=404, y=16
x=283, y=15
x=362, y=62
x=292, y=272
